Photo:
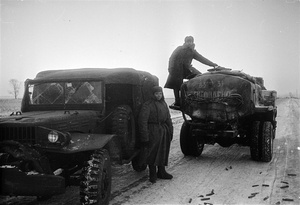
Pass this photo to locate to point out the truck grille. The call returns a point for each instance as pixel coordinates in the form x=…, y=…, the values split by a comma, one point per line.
x=20, y=134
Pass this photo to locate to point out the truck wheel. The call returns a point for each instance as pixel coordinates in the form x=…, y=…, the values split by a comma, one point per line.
x=254, y=141
x=123, y=125
x=188, y=144
x=267, y=142
x=95, y=185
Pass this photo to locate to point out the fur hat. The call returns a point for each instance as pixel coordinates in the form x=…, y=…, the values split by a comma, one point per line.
x=189, y=39
x=156, y=89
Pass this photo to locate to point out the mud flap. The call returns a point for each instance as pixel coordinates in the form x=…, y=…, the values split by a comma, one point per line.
x=17, y=183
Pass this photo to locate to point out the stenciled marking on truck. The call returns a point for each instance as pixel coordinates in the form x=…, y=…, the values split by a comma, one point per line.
x=210, y=83
x=211, y=94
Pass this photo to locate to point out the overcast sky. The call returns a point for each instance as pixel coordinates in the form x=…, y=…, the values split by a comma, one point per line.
x=261, y=38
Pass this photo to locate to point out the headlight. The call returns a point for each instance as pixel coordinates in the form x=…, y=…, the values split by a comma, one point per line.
x=53, y=136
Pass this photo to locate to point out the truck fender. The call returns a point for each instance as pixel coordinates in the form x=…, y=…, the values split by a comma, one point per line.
x=86, y=141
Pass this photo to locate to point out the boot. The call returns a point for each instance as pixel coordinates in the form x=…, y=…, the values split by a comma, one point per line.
x=162, y=174
x=152, y=174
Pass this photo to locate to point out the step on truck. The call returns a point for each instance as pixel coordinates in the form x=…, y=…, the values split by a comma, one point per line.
x=72, y=124
x=228, y=107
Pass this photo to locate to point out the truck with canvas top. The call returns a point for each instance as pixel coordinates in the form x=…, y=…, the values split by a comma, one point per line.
x=72, y=124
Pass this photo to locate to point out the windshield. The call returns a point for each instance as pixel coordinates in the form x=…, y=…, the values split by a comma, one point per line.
x=75, y=92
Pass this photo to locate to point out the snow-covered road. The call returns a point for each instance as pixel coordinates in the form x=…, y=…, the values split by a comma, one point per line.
x=219, y=176
x=226, y=175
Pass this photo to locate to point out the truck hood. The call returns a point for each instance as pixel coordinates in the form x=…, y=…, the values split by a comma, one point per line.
x=70, y=126
x=49, y=119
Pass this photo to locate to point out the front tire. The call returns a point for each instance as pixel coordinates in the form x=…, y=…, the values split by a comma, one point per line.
x=95, y=185
x=188, y=143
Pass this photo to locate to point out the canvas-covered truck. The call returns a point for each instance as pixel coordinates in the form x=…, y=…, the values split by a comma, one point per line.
x=72, y=124
x=228, y=107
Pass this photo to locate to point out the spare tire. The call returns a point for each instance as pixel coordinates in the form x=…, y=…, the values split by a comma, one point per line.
x=123, y=125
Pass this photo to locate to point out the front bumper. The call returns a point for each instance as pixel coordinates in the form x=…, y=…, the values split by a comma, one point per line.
x=17, y=183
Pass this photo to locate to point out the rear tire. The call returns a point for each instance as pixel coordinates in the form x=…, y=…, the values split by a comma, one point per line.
x=189, y=144
x=255, y=149
x=95, y=185
x=267, y=142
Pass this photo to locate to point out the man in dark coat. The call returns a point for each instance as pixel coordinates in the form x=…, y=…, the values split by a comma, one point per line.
x=156, y=131
x=180, y=66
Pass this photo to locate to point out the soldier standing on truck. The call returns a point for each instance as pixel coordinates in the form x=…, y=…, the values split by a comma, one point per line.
x=156, y=131
x=180, y=66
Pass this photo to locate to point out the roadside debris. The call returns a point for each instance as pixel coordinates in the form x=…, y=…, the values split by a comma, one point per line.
x=207, y=198
x=227, y=168
x=253, y=195
x=284, y=186
x=264, y=185
x=211, y=193
x=286, y=199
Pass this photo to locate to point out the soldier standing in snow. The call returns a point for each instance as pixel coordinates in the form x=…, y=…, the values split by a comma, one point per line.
x=156, y=131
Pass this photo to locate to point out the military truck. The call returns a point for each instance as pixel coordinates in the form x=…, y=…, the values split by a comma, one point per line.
x=228, y=107
x=73, y=123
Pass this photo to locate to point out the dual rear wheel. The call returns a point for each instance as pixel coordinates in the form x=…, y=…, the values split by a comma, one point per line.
x=262, y=138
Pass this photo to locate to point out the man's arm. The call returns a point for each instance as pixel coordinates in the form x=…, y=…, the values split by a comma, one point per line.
x=197, y=56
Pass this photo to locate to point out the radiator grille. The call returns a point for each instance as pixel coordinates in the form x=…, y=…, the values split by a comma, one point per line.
x=20, y=134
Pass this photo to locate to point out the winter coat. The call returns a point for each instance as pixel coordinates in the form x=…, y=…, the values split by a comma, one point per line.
x=156, y=128
x=180, y=65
